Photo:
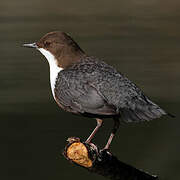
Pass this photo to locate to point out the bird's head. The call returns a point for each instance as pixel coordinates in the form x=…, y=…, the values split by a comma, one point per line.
x=58, y=48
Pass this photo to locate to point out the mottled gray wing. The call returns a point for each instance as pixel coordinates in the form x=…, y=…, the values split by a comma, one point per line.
x=79, y=96
x=95, y=87
x=129, y=100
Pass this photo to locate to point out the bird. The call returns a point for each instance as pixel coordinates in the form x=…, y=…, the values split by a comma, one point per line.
x=87, y=86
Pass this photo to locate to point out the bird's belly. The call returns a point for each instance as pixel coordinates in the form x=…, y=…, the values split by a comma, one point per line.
x=65, y=108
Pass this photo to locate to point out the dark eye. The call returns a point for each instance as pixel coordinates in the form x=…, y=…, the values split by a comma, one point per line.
x=47, y=43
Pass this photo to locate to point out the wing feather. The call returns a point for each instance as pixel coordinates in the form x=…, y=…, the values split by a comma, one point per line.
x=95, y=87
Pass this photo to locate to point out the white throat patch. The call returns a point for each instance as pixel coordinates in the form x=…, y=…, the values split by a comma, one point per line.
x=54, y=69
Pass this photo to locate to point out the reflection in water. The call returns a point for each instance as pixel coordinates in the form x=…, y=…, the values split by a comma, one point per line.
x=141, y=39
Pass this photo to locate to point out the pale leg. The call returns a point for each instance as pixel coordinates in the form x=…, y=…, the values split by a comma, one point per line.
x=113, y=132
x=99, y=123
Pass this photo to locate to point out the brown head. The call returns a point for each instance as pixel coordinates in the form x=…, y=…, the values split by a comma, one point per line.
x=60, y=47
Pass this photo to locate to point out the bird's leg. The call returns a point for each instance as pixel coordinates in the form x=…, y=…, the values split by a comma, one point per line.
x=99, y=123
x=113, y=132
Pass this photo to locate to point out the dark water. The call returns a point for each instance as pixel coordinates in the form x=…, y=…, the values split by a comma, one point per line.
x=140, y=38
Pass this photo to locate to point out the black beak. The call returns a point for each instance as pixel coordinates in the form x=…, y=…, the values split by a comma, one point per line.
x=33, y=45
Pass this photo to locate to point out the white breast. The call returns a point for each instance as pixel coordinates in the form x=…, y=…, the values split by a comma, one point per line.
x=54, y=69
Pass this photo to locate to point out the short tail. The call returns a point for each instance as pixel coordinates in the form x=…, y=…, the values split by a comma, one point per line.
x=171, y=115
x=147, y=112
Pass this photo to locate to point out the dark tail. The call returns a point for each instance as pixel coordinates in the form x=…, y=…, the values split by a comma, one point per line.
x=171, y=115
x=145, y=112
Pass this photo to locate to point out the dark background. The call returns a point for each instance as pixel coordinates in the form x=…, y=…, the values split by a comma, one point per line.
x=140, y=38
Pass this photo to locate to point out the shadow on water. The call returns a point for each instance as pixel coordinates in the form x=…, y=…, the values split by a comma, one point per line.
x=141, y=39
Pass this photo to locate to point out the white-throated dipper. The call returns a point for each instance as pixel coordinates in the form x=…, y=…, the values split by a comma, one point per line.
x=87, y=86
